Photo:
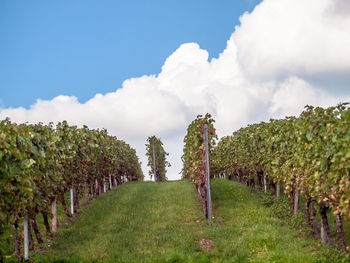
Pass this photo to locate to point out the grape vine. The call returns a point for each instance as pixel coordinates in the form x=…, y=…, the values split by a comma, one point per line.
x=160, y=158
x=309, y=155
x=40, y=163
x=193, y=157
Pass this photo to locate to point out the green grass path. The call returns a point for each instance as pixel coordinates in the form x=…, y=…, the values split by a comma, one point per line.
x=164, y=222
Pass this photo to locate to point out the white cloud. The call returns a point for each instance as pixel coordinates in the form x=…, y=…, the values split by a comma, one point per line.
x=260, y=74
x=293, y=94
x=289, y=37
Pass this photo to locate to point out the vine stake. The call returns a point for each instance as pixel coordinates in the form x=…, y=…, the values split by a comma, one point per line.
x=71, y=201
x=207, y=172
x=26, y=240
x=154, y=162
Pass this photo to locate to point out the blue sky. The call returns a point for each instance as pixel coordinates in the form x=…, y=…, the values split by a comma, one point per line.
x=84, y=47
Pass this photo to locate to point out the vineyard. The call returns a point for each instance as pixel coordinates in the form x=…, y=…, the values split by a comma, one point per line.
x=156, y=159
x=304, y=159
x=41, y=163
x=309, y=156
x=164, y=222
x=194, y=159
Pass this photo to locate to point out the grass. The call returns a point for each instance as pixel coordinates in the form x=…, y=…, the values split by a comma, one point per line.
x=149, y=222
x=255, y=234
x=134, y=222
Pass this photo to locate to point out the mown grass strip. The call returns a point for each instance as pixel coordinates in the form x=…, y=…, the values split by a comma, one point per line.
x=149, y=222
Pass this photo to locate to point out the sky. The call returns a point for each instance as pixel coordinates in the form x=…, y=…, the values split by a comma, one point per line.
x=83, y=47
x=143, y=68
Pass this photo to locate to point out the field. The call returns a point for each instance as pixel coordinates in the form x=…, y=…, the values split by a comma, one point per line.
x=149, y=222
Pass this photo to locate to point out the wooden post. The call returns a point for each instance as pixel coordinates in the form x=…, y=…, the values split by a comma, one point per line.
x=110, y=182
x=96, y=187
x=154, y=162
x=296, y=201
x=207, y=172
x=265, y=186
x=71, y=201
x=323, y=234
x=54, y=215
x=26, y=239
x=278, y=191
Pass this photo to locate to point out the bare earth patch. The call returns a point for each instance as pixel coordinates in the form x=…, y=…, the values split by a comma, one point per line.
x=206, y=244
x=192, y=223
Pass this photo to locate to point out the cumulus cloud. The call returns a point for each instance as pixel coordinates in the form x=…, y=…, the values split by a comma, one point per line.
x=294, y=37
x=264, y=72
x=293, y=94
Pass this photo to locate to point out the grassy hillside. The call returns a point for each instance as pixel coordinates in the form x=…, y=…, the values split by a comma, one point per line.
x=164, y=222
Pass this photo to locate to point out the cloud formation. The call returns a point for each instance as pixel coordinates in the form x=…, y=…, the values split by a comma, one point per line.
x=294, y=38
x=264, y=71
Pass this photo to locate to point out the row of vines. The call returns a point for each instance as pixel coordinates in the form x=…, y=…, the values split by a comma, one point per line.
x=193, y=157
x=156, y=156
x=40, y=163
x=308, y=156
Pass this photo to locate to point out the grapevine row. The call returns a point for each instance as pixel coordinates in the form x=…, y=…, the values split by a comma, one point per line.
x=40, y=163
x=308, y=155
x=156, y=156
x=193, y=157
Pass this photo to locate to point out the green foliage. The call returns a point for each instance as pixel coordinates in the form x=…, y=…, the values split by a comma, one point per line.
x=193, y=152
x=310, y=153
x=194, y=159
x=160, y=158
x=280, y=209
x=40, y=162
